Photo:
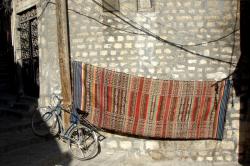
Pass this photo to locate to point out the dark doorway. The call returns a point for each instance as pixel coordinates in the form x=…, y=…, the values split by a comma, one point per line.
x=29, y=51
x=7, y=67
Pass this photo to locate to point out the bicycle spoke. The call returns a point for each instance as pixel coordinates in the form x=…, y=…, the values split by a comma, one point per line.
x=83, y=140
x=81, y=151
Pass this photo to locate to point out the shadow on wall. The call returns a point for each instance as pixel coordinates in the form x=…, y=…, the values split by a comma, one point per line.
x=242, y=83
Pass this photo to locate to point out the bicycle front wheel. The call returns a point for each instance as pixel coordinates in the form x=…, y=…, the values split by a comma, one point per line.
x=83, y=143
x=44, y=122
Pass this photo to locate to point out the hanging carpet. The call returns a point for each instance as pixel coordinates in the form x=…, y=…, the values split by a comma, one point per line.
x=150, y=107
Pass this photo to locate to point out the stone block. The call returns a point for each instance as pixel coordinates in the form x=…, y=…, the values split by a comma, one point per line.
x=117, y=45
x=156, y=155
x=228, y=158
x=128, y=45
x=206, y=52
x=227, y=145
x=130, y=38
x=187, y=4
x=200, y=159
x=227, y=50
x=167, y=51
x=229, y=134
x=202, y=62
x=183, y=145
x=104, y=52
x=211, y=145
x=168, y=146
x=120, y=38
x=203, y=153
x=141, y=38
x=112, y=144
x=192, y=61
x=113, y=52
x=198, y=145
x=237, y=106
x=181, y=66
x=81, y=46
x=150, y=44
x=111, y=39
x=209, y=158
x=141, y=52
x=219, y=158
x=235, y=124
x=191, y=68
x=126, y=144
x=92, y=53
x=138, y=144
x=158, y=51
x=152, y=145
x=139, y=45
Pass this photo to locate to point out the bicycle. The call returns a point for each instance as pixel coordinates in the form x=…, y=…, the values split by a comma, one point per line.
x=81, y=138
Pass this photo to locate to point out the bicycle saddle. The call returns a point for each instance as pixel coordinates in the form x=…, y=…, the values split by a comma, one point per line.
x=81, y=112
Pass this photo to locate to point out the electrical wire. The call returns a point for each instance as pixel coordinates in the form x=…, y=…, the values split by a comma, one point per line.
x=92, y=18
x=230, y=73
x=124, y=30
x=145, y=32
x=189, y=45
x=43, y=9
x=149, y=33
x=196, y=44
x=211, y=41
x=182, y=45
x=96, y=12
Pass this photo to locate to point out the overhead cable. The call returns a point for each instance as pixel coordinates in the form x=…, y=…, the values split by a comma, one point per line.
x=195, y=44
x=149, y=33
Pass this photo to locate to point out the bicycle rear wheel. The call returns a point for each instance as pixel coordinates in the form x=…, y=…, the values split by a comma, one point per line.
x=83, y=143
x=44, y=122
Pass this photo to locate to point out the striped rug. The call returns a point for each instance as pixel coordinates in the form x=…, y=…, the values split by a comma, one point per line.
x=150, y=107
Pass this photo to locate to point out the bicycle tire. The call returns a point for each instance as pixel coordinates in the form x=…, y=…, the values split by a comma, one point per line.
x=83, y=143
x=44, y=123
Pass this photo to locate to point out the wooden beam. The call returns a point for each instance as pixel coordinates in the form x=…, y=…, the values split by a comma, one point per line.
x=64, y=53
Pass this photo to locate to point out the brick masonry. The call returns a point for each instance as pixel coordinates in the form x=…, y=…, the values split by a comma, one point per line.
x=183, y=22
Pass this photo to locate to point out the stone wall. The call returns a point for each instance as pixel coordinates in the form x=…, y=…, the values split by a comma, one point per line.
x=184, y=23
x=102, y=39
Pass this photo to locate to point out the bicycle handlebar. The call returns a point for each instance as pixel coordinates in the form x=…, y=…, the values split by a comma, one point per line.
x=82, y=114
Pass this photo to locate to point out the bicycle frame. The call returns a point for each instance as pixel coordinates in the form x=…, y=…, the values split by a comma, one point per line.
x=85, y=121
x=62, y=132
